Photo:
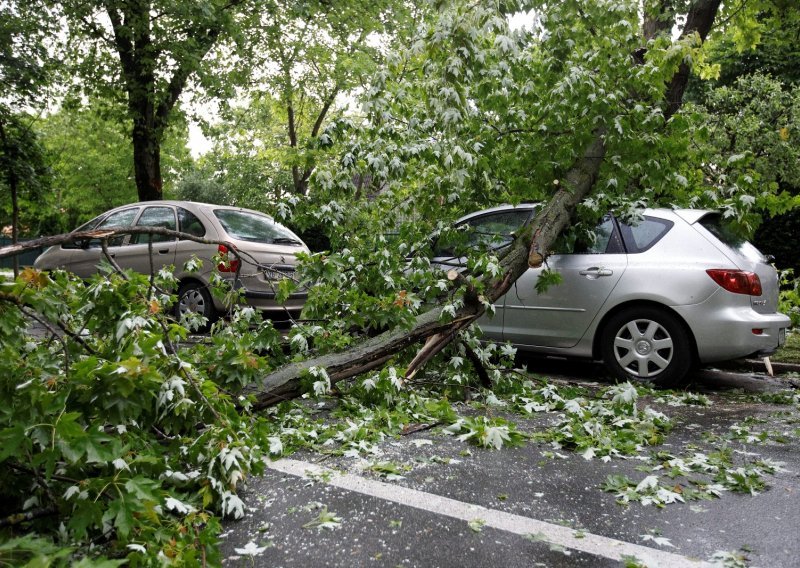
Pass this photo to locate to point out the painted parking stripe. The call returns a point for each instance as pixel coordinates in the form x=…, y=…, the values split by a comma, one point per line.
x=517, y=524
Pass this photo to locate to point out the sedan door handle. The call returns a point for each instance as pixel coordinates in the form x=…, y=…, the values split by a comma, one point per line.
x=163, y=251
x=595, y=272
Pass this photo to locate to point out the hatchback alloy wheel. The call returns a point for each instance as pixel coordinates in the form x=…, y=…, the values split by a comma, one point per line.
x=647, y=344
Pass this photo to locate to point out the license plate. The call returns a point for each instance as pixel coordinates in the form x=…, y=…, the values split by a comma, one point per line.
x=277, y=273
x=781, y=337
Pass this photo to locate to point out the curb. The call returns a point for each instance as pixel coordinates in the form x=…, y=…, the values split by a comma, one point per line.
x=758, y=366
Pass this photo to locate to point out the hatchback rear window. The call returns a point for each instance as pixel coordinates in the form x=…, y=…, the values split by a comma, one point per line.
x=254, y=228
x=728, y=235
x=641, y=236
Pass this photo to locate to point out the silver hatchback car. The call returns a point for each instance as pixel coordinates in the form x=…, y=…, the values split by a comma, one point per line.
x=648, y=299
x=267, y=252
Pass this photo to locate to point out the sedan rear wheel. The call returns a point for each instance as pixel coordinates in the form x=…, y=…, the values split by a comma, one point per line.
x=194, y=298
x=647, y=344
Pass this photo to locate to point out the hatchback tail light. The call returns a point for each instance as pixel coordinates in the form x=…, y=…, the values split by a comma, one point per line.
x=737, y=281
x=227, y=264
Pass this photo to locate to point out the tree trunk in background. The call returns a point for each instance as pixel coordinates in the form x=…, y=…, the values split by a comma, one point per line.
x=147, y=163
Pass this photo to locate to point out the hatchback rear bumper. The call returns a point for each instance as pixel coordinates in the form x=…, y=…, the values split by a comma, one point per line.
x=733, y=332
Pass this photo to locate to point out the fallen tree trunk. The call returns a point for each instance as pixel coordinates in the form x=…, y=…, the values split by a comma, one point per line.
x=530, y=246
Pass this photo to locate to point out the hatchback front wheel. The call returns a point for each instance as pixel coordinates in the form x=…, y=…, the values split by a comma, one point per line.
x=646, y=344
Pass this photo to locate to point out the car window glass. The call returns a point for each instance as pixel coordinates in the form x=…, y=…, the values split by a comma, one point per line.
x=642, y=235
x=189, y=223
x=491, y=231
x=255, y=228
x=122, y=218
x=155, y=217
x=503, y=223
x=88, y=226
x=603, y=239
x=725, y=232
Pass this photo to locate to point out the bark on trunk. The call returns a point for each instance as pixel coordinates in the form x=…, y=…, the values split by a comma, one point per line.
x=147, y=164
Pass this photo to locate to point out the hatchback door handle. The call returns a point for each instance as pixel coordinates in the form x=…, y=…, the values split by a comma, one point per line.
x=595, y=272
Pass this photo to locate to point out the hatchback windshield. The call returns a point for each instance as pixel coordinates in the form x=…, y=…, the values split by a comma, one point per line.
x=254, y=228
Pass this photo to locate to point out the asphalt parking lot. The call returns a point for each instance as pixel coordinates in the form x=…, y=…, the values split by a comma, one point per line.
x=534, y=505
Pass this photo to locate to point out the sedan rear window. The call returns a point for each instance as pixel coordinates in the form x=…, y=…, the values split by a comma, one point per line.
x=163, y=217
x=189, y=223
x=255, y=228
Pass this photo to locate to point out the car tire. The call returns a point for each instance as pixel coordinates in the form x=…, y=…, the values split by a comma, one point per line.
x=194, y=297
x=647, y=344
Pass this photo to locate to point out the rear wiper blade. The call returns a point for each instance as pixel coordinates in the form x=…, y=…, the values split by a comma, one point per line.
x=286, y=241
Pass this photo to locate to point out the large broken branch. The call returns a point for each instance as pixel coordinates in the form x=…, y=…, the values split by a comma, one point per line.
x=553, y=218
x=79, y=236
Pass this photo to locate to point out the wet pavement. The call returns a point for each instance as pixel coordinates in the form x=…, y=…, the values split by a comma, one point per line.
x=462, y=506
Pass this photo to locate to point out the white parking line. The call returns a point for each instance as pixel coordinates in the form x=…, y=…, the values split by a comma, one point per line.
x=517, y=524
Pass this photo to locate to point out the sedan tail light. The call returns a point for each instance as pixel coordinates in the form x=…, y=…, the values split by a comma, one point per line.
x=227, y=264
x=736, y=281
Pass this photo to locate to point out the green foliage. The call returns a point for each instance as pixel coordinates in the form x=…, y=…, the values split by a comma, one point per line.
x=492, y=433
x=133, y=442
x=789, y=298
x=766, y=43
x=32, y=551
x=612, y=425
x=750, y=122
x=137, y=441
x=547, y=278
x=91, y=164
x=196, y=186
x=25, y=63
x=327, y=520
x=25, y=66
x=92, y=168
x=745, y=161
x=460, y=120
x=139, y=58
x=24, y=175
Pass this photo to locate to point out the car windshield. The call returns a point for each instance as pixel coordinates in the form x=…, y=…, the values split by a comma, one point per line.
x=487, y=232
x=255, y=228
x=726, y=233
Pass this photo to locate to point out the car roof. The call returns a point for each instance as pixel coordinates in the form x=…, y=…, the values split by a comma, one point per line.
x=189, y=205
x=692, y=215
x=689, y=215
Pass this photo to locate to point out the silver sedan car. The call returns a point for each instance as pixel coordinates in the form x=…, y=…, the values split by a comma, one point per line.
x=649, y=299
x=267, y=252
